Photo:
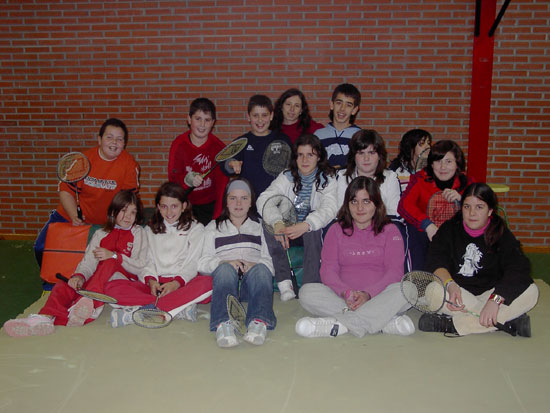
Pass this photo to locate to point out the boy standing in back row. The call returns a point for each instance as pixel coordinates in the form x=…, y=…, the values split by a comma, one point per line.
x=192, y=154
x=335, y=137
x=267, y=152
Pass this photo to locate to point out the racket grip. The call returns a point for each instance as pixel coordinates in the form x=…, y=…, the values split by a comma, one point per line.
x=79, y=212
x=294, y=282
x=188, y=191
x=61, y=277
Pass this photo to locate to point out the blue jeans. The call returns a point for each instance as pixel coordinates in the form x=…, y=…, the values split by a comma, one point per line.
x=256, y=288
x=40, y=242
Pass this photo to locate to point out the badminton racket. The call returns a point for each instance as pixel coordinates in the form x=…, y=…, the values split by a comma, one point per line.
x=276, y=157
x=427, y=293
x=422, y=160
x=440, y=210
x=226, y=153
x=237, y=314
x=104, y=298
x=149, y=316
x=72, y=168
x=279, y=213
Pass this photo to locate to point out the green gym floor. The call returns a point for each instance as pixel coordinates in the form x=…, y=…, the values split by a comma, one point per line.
x=180, y=368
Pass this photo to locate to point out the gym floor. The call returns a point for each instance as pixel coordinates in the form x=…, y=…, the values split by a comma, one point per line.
x=131, y=369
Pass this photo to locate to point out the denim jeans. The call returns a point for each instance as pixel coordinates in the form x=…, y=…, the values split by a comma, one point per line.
x=256, y=288
x=40, y=242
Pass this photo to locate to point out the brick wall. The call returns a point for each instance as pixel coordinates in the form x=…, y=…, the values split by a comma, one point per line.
x=68, y=65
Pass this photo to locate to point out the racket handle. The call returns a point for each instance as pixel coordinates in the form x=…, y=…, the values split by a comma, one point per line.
x=79, y=212
x=61, y=277
x=188, y=191
x=294, y=282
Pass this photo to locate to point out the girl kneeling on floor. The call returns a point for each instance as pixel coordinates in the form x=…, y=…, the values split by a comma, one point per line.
x=485, y=271
x=116, y=252
x=236, y=254
x=310, y=184
x=361, y=269
x=175, y=242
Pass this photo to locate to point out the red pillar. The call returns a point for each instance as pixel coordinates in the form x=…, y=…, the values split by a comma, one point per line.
x=480, y=104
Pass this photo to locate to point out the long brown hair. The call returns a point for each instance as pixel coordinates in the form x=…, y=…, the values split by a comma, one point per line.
x=171, y=190
x=379, y=220
x=323, y=167
x=119, y=202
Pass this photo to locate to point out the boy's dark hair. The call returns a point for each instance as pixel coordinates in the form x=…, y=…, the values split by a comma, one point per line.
x=323, y=166
x=252, y=212
x=171, y=190
x=304, y=120
x=361, y=140
x=117, y=123
x=260, y=100
x=347, y=89
x=119, y=202
x=379, y=220
x=203, y=104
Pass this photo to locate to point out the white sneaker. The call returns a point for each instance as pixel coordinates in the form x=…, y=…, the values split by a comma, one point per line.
x=33, y=325
x=80, y=312
x=189, y=313
x=285, y=287
x=225, y=335
x=257, y=330
x=400, y=325
x=320, y=327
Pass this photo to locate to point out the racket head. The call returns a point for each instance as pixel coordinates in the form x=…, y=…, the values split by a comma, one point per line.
x=278, y=211
x=73, y=167
x=440, y=210
x=237, y=314
x=104, y=298
x=231, y=150
x=276, y=157
x=151, y=318
x=422, y=159
x=423, y=290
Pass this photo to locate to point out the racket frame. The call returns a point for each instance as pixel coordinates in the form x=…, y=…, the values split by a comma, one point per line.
x=73, y=182
x=104, y=298
x=148, y=313
x=430, y=208
x=237, y=314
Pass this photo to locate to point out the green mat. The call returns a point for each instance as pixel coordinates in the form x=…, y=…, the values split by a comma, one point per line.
x=20, y=283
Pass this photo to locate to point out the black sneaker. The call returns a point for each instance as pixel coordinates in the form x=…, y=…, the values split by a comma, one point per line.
x=438, y=323
x=520, y=326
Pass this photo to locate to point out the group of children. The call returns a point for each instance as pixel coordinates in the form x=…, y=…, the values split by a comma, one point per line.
x=206, y=239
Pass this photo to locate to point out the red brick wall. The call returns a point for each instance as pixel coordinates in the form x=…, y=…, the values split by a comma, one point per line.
x=68, y=65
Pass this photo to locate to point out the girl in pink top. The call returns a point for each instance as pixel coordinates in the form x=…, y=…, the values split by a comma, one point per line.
x=361, y=269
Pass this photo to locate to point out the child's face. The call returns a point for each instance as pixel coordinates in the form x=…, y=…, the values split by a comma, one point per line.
x=367, y=161
x=343, y=108
x=292, y=109
x=201, y=124
x=306, y=159
x=111, y=143
x=260, y=118
x=171, y=208
x=421, y=148
x=127, y=216
x=445, y=168
x=238, y=203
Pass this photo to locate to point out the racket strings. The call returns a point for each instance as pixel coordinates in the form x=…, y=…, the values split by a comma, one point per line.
x=423, y=290
x=231, y=150
x=73, y=167
x=441, y=210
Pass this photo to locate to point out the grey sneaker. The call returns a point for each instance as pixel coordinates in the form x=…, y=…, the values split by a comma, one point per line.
x=225, y=335
x=257, y=330
x=319, y=327
x=189, y=313
x=122, y=316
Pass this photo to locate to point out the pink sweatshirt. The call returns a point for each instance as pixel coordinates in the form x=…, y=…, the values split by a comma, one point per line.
x=363, y=261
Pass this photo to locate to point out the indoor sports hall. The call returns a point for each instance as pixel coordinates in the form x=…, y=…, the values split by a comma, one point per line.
x=474, y=71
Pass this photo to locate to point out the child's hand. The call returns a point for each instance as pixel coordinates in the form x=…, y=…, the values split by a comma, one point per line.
x=168, y=287
x=236, y=166
x=154, y=285
x=297, y=230
x=76, y=282
x=103, y=254
x=77, y=221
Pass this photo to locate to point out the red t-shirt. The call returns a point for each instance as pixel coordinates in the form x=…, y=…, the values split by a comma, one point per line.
x=105, y=179
x=186, y=157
